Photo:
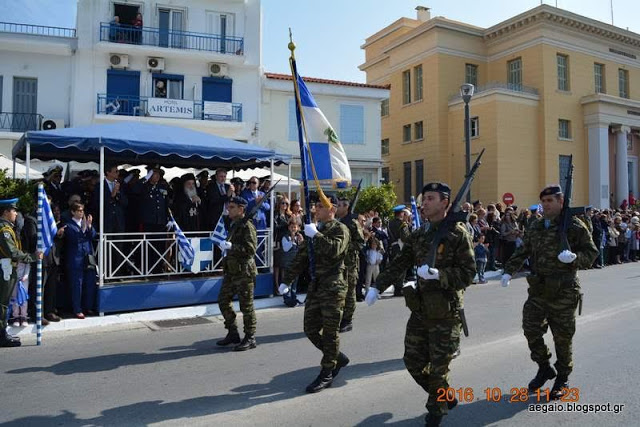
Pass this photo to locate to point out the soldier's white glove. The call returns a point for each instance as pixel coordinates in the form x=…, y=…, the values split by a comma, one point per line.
x=567, y=256
x=411, y=283
x=225, y=246
x=506, y=279
x=310, y=230
x=283, y=289
x=423, y=271
x=372, y=296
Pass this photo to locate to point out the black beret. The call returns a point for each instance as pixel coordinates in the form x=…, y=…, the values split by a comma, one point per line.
x=551, y=190
x=477, y=202
x=438, y=187
x=333, y=199
x=188, y=177
x=238, y=201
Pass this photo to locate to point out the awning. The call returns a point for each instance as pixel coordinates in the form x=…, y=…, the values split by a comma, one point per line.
x=21, y=170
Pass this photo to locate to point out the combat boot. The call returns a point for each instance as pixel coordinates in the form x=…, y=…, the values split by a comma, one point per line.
x=323, y=380
x=560, y=387
x=432, y=420
x=248, y=342
x=7, y=340
x=232, y=338
x=342, y=361
x=346, y=326
x=545, y=372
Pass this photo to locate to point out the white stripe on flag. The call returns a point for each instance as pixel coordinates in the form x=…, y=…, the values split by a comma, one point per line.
x=49, y=228
x=186, y=252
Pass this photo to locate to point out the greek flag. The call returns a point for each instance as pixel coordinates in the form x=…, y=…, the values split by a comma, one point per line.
x=415, y=213
x=185, y=250
x=49, y=228
x=219, y=235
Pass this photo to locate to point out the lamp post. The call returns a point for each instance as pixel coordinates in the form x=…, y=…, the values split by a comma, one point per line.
x=466, y=92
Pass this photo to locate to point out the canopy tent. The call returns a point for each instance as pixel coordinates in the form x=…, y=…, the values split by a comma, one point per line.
x=21, y=170
x=141, y=143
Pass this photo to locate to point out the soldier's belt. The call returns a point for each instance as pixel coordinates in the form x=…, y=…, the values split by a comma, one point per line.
x=570, y=275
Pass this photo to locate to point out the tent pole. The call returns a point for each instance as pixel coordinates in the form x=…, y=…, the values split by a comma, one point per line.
x=14, y=168
x=102, y=240
x=26, y=173
x=289, y=182
x=271, y=219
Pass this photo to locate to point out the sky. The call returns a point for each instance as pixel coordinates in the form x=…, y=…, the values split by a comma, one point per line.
x=328, y=33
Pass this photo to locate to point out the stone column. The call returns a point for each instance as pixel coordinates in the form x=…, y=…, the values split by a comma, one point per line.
x=622, y=169
x=598, y=134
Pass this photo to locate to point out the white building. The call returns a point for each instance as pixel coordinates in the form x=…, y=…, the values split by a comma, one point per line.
x=353, y=109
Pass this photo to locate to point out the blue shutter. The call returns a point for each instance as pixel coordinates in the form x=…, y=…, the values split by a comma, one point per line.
x=124, y=86
x=351, y=124
x=293, y=121
x=217, y=89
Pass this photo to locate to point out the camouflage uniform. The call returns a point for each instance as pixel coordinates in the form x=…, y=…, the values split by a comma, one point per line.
x=240, y=272
x=352, y=264
x=11, y=248
x=433, y=329
x=554, y=288
x=399, y=232
x=326, y=295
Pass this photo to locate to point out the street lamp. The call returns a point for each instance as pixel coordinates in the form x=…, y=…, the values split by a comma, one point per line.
x=466, y=92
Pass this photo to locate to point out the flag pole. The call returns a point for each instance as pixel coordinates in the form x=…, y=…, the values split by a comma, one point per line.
x=39, y=269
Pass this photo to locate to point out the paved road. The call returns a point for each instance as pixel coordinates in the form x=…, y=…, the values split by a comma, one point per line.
x=141, y=376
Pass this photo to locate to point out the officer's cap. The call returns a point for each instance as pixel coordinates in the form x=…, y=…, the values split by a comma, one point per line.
x=240, y=201
x=53, y=169
x=188, y=177
x=265, y=178
x=9, y=203
x=438, y=187
x=134, y=172
x=551, y=190
x=204, y=173
x=237, y=181
x=398, y=208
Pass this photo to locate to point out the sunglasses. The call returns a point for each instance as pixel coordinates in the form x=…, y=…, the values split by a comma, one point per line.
x=253, y=182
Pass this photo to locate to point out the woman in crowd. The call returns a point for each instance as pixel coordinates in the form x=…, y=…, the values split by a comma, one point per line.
x=509, y=233
x=281, y=223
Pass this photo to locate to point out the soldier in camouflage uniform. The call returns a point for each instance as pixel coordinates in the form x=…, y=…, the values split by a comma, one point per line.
x=240, y=272
x=10, y=254
x=554, y=288
x=433, y=329
x=352, y=261
x=398, y=231
x=327, y=292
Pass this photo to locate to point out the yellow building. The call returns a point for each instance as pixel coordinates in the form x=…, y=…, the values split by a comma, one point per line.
x=549, y=84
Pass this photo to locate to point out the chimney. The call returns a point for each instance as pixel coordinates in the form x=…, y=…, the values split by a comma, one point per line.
x=424, y=13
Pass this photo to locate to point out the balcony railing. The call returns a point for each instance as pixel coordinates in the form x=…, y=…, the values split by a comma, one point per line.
x=40, y=30
x=20, y=122
x=162, y=37
x=509, y=87
x=125, y=105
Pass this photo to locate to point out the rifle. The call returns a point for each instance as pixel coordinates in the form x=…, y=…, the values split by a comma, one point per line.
x=567, y=211
x=252, y=213
x=352, y=204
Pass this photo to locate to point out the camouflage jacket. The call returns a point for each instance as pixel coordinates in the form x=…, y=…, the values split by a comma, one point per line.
x=542, y=246
x=330, y=246
x=356, y=241
x=398, y=230
x=240, y=262
x=10, y=246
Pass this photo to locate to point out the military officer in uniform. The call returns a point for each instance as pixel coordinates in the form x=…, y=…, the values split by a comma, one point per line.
x=352, y=260
x=154, y=195
x=554, y=288
x=398, y=231
x=433, y=329
x=327, y=292
x=10, y=255
x=240, y=272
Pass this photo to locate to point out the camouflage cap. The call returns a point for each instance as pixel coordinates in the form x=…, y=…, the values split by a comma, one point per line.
x=240, y=201
x=438, y=187
x=551, y=190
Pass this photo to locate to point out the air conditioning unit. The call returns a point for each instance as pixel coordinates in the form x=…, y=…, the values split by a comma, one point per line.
x=118, y=61
x=51, y=124
x=155, y=64
x=217, y=69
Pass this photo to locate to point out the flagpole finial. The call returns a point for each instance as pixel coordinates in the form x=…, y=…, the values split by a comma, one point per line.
x=292, y=45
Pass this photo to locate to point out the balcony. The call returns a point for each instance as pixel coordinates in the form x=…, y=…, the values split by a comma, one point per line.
x=39, y=30
x=20, y=122
x=162, y=37
x=125, y=105
x=499, y=86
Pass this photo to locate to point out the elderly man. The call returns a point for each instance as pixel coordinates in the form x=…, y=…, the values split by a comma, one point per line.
x=219, y=193
x=187, y=204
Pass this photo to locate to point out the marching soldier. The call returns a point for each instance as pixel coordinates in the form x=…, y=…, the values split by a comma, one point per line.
x=240, y=272
x=10, y=255
x=398, y=231
x=433, y=329
x=326, y=295
x=554, y=288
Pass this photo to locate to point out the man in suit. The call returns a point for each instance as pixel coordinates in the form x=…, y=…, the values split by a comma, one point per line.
x=218, y=193
x=252, y=195
x=115, y=202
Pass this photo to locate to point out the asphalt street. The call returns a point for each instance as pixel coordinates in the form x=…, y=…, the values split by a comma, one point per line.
x=146, y=374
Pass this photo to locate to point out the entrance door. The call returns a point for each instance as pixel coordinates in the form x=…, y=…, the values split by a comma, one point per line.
x=123, y=92
x=25, y=104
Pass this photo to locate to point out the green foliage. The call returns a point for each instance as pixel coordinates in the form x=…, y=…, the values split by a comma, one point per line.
x=27, y=192
x=378, y=198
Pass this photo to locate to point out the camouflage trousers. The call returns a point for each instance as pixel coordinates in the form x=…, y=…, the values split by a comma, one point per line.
x=244, y=289
x=322, y=314
x=559, y=314
x=350, y=302
x=428, y=350
x=6, y=289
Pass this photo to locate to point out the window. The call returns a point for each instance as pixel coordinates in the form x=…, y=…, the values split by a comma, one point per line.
x=352, y=124
x=407, y=181
x=384, y=107
x=417, y=131
x=514, y=74
x=598, y=74
x=564, y=129
x=385, y=175
x=563, y=72
x=293, y=121
x=222, y=25
x=564, y=164
x=406, y=133
x=171, y=24
x=384, y=146
x=167, y=86
x=471, y=74
x=417, y=75
x=419, y=175
x=406, y=87
x=475, y=127
x=623, y=83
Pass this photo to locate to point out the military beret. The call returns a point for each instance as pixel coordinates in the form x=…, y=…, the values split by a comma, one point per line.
x=533, y=208
x=240, y=201
x=188, y=177
x=551, y=190
x=398, y=208
x=333, y=199
x=9, y=203
x=476, y=203
x=438, y=187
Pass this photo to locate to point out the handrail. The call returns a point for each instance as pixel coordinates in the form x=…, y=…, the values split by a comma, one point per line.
x=41, y=30
x=20, y=122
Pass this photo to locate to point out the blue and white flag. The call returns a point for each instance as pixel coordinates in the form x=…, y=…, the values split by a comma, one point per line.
x=49, y=228
x=327, y=155
x=219, y=235
x=415, y=213
x=185, y=250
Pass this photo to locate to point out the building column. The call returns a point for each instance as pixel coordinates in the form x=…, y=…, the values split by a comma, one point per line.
x=622, y=169
x=598, y=135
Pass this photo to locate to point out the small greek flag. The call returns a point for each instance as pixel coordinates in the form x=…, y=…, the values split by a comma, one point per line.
x=185, y=250
x=49, y=228
x=219, y=235
x=415, y=213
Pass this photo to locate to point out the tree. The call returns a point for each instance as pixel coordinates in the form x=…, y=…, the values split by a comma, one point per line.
x=378, y=198
x=26, y=191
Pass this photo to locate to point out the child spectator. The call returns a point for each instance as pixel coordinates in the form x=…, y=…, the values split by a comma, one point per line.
x=481, y=253
x=20, y=296
x=375, y=254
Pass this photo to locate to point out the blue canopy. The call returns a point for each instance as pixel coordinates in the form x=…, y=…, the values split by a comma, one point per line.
x=141, y=143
